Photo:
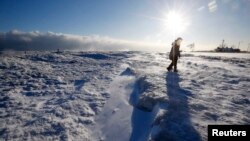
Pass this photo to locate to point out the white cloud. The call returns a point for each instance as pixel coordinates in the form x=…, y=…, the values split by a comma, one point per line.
x=35, y=40
x=212, y=6
x=201, y=8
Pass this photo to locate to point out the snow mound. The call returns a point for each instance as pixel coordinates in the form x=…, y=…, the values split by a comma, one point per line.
x=128, y=71
x=120, y=95
x=146, y=100
x=52, y=96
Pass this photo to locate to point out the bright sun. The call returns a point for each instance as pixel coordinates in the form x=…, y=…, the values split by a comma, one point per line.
x=175, y=22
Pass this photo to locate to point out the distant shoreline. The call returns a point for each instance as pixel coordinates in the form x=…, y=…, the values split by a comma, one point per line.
x=221, y=52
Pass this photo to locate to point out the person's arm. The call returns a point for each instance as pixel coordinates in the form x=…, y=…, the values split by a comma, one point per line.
x=179, y=53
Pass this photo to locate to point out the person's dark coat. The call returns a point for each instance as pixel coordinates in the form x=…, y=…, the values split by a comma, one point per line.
x=175, y=52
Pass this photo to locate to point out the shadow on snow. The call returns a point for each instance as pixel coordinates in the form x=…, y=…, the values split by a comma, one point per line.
x=177, y=123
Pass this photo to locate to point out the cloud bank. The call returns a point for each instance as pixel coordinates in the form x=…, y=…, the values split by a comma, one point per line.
x=35, y=40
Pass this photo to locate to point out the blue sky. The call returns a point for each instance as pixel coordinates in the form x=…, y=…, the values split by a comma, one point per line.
x=209, y=21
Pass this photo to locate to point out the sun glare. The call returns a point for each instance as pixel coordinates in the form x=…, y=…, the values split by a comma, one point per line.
x=175, y=22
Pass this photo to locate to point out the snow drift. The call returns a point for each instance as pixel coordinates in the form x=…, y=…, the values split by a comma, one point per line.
x=119, y=95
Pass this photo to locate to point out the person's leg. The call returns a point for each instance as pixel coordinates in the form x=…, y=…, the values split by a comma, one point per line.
x=175, y=64
x=170, y=66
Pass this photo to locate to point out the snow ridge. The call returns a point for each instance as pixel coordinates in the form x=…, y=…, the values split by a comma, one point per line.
x=120, y=95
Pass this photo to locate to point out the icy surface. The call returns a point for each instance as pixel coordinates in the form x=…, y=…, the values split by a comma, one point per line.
x=120, y=95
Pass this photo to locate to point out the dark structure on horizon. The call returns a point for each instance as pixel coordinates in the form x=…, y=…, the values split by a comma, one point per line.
x=224, y=48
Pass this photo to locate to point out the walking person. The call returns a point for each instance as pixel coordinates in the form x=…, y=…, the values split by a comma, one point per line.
x=175, y=54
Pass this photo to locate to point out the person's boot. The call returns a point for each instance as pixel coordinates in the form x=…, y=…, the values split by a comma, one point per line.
x=169, y=69
x=175, y=69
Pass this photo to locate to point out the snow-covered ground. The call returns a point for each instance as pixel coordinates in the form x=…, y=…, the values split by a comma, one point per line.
x=125, y=96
